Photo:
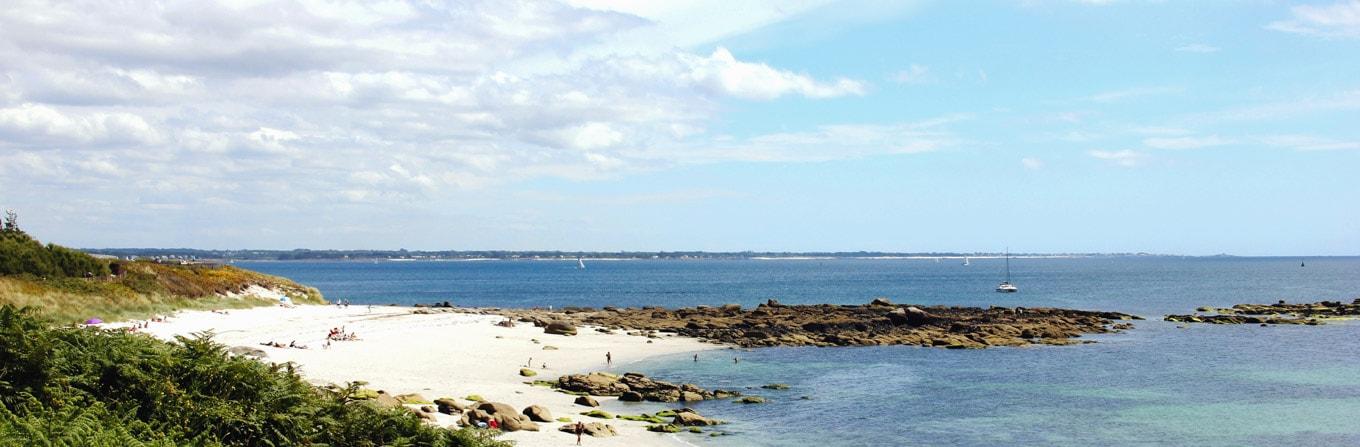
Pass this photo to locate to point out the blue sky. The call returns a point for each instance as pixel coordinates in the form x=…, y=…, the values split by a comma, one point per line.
x=1063, y=126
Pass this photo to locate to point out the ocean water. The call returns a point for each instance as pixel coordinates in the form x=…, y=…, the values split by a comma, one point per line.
x=1158, y=384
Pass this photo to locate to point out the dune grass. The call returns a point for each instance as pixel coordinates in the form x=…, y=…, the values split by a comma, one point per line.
x=147, y=289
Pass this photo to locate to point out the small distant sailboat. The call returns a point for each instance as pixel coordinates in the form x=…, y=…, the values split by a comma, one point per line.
x=965, y=260
x=1006, y=286
x=580, y=264
x=1301, y=264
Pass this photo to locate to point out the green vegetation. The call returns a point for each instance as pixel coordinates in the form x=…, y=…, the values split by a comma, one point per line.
x=20, y=254
x=71, y=286
x=474, y=398
x=663, y=428
x=79, y=386
x=642, y=418
x=564, y=419
x=598, y=414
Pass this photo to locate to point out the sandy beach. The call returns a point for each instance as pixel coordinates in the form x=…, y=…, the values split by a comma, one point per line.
x=443, y=355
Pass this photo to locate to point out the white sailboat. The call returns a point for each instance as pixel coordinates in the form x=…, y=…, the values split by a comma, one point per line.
x=580, y=264
x=1006, y=286
x=965, y=260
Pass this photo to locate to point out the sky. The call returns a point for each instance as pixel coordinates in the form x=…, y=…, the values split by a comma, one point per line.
x=1196, y=127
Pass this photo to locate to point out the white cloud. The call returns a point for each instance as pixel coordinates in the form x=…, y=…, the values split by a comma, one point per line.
x=1340, y=19
x=41, y=126
x=317, y=99
x=1197, y=48
x=1126, y=158
x=915, y=74
x=1185, y=142
x=722, y=72
x=1032, y=163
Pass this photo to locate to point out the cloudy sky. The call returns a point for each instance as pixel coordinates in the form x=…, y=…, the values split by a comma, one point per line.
x=1101, y=125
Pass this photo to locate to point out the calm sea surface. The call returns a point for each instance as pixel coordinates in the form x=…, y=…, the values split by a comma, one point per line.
x=1155, y=385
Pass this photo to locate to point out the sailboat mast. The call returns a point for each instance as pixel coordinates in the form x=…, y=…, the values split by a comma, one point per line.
x=1008, y=264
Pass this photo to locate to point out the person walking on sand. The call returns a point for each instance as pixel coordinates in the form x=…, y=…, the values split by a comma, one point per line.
x=608, y=359
x=580, y=429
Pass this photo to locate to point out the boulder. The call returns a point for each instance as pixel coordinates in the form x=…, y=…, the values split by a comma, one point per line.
x=559, y=328
x=448, y=406
x=517, y=423
x=595, y=384
x=692, y=419
x=880, y=302
x=594, y=429
x=472, y=417
x=587, y=401
x=412, y=399
x=538, y=413
x=526, y=372
x=630, y=396
x=386, y=400
x=690, y=396
x=496, y=408
x=775, y=386
x=751, y=400
x=248, y=351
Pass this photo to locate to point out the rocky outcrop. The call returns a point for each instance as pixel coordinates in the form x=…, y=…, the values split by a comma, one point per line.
x=879, y=323
x=560, y=328
x=448, y=406
x=1268, y=314
x=691, y=418
x=587, y=401
x=538, y=413
x=632, y=387
x=505, y=415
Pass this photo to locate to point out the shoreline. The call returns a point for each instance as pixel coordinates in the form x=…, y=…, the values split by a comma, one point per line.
x=443, y=355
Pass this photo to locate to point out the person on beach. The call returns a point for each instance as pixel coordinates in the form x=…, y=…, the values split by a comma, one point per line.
x=696, y=358
x=580, y=429
x=609, y=359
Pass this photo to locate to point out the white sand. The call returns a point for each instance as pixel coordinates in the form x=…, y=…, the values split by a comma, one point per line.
x=443, y=355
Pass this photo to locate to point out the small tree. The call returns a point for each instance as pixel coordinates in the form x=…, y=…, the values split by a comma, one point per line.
x=11, y=222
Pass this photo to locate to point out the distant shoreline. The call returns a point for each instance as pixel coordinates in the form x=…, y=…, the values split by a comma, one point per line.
x=595, y=256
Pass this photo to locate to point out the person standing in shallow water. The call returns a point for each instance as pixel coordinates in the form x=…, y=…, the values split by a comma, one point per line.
x=580, y=429
x=608, y=359
x=696, y=358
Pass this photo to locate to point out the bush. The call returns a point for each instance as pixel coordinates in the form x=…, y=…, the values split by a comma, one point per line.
x=74, y=386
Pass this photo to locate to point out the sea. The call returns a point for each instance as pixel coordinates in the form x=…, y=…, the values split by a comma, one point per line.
x=1159, y=384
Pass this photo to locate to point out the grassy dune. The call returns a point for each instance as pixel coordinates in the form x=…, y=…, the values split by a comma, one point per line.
x=145, y=289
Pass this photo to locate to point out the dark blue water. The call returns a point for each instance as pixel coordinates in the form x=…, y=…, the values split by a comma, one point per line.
x=1158, y=384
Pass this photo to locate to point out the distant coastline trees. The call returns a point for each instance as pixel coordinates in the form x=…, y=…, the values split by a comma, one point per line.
x=22, y=254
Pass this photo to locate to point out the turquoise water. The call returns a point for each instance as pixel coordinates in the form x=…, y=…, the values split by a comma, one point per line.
x=1155, y=385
